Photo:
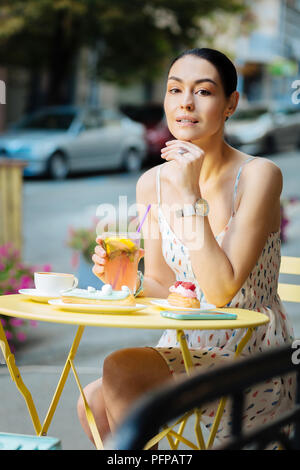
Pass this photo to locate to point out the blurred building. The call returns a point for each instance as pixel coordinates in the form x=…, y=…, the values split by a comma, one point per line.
x=268, y=57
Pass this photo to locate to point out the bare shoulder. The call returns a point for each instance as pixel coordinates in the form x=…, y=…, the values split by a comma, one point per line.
x=146, y=186
x=262, y=172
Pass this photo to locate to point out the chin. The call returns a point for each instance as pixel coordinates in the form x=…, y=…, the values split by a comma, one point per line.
x=186, y=134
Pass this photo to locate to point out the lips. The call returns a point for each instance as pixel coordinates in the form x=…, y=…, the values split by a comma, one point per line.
x=187, y=119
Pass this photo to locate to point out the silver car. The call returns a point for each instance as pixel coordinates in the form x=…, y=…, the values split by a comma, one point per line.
x=62, y=140
x=264, y=130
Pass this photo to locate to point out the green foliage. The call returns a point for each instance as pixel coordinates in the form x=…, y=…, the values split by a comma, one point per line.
x=83, y=240
x=134, y=38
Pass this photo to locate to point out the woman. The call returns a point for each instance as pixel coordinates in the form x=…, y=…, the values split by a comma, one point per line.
x=233, y=255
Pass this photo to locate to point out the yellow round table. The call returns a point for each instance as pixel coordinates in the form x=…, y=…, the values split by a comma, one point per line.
x=21, y=307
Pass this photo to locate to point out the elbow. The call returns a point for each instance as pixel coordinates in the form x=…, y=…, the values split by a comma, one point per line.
x=219, y=298
x=218, y=302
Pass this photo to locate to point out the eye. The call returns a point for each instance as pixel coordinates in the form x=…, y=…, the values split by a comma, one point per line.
x=173, y=90
x=203, y=92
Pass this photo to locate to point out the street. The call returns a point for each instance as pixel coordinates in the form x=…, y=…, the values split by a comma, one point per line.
x=50, y=208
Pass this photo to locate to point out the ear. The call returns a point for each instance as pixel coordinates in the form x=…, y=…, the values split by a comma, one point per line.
x=232, y=103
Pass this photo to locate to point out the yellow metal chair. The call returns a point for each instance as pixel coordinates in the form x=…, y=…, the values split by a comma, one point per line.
x=289, y=292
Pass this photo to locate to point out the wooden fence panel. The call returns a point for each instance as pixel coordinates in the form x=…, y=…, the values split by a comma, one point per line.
x=11, y=196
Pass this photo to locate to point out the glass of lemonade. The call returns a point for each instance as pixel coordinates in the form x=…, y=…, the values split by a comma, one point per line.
x=123, y=253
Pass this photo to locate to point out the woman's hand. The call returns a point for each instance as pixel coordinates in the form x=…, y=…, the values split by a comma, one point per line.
x=100, y=258
x=187, y=159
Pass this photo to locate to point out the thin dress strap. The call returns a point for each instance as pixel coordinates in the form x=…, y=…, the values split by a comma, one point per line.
x=237, y=182
x=158, y=185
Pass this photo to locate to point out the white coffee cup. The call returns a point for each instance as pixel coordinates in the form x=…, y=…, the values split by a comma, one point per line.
x=53, y=283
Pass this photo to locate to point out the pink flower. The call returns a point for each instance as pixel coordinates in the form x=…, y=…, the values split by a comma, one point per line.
x=75, y=259
x=47, y=268
x=21, y=337
x=2, y=266
x=8, y=334
x=16, y=321
x=4, y=250
x=3, y=322
x=26, y=282
x=14, y=283
x=33, y=323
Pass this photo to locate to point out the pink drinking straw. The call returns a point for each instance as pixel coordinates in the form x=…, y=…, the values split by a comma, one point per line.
x=144, y=218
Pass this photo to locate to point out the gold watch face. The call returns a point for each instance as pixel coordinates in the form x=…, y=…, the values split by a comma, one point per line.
x=202, y=207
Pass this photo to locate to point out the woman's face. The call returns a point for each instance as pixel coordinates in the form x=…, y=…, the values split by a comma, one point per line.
x=195, y=103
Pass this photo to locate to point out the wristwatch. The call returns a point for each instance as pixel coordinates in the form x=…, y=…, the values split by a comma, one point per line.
x=200, y=207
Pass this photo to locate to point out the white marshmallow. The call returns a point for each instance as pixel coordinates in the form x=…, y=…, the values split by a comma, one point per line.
x=107, y=289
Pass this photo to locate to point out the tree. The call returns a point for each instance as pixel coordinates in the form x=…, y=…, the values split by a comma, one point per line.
x=134, y=38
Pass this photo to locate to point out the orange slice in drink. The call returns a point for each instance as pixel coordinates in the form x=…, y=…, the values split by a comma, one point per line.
x=114, y=243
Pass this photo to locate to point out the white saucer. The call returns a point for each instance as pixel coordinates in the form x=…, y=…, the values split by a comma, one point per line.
x=35, y=295
x=164, y=304
x=96, y=308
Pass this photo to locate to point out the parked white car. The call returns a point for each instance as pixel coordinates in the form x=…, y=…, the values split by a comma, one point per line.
x=262, y=130
x=62, y=140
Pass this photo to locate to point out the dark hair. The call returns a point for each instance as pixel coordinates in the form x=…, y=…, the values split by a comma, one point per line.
x=225, y=67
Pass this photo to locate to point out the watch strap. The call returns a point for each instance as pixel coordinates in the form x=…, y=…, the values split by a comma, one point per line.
x=193, y=209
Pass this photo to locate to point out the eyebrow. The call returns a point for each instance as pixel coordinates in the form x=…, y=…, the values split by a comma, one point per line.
x=200, y=80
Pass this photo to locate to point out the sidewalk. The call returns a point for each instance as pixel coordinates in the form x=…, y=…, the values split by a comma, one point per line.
x=41, y=359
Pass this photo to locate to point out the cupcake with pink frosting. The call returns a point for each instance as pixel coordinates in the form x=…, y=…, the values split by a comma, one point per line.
x=183, y=294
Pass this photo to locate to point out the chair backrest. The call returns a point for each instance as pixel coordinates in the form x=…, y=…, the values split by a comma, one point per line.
x=289, y=292
x=174, y=399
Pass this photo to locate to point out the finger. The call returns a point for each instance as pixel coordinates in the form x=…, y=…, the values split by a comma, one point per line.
x=97, y=270
x=174, y=141
x=98, y=260
x=184, y=144
x=167, y=149
x=174, y=155
x=100, y=251
x=177, y=151
x=181, y=142
x=180, y=159
x=179, y=148
x=99, y=240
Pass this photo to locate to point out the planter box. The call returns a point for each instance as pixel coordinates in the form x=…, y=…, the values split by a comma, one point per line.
x=11, y=187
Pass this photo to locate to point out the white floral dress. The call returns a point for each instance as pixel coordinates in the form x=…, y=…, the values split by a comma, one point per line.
x=210, y=348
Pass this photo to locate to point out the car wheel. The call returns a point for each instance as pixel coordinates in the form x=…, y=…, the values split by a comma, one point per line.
x=132, y=161
x=58, y=167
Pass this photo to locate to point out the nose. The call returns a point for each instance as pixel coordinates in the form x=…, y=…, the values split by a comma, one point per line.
x=188, y=101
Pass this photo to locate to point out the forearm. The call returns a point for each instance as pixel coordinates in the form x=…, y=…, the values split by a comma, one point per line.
x=153, y=288
x=210, y=264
